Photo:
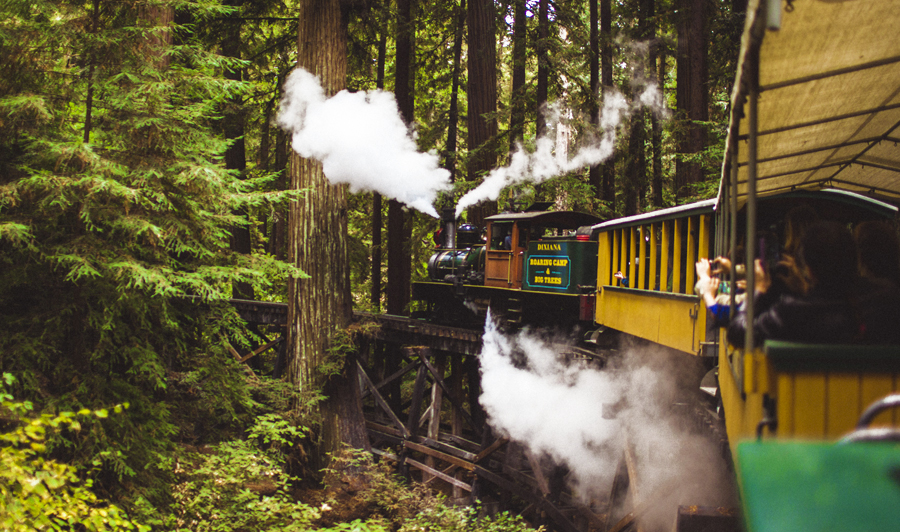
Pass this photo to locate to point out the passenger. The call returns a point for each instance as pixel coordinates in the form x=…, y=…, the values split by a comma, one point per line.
x=828, y=313
x=878, y=250
x=620, y=277
x=716, y=294
x=787, y=271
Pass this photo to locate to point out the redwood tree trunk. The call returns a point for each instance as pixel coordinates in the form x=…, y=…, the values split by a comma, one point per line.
x=608, y=193
x=317, y=244
x=482, y=98
x=517, y=95
x=399, y=221
x=691, y=96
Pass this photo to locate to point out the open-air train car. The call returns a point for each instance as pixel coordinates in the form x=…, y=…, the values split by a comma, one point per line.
x=816, y=105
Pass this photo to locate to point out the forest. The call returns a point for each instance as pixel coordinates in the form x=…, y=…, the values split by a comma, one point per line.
x=148, y=174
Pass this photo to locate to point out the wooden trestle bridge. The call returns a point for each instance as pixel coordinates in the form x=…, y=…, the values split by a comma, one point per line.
x=457, y=453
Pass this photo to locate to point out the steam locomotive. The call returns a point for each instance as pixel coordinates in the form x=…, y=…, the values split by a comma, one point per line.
x=536, y=267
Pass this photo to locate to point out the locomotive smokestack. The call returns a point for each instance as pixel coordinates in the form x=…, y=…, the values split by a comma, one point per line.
x=448, y=219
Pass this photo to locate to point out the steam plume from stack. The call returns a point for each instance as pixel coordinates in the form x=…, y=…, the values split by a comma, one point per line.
x=360, y=140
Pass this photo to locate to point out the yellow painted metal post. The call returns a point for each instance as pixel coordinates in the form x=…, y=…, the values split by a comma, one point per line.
x=604, y=275
x=676, y=257
x=616, y=252
x=664, y=257
x=705, y=231
x=641, y=233
x=632, y=253
x=692, y=254
x=654, y=257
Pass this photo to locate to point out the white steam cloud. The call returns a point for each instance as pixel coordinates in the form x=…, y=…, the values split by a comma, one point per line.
x=554, y=407
x=542, y=164
x=360, y=140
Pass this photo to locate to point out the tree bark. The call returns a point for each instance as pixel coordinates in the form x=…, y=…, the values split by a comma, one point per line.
x=453, y=119
x=543, y=73
x=233, y=129
x=517, y=94
x=595, y=173
x=608, y=193
x=399, y=221
x=482, y=98
x=318, y=244
x=691, y=96
x=375, y=294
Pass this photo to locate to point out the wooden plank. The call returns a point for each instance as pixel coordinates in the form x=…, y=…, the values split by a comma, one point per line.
x=446, y=448
x=386, y=430
x=438, y=474
x=237, y=356
x=439, y=379
x=416, y=402
x=539, y=476
x=562, y=522
x=392, y=378
x=380, y=400
x=498, y=443
x=262, y=349
x=450, y=459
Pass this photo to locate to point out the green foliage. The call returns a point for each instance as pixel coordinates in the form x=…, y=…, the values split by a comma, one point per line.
x=37, y=492
x=236, y=485
x=115, y=218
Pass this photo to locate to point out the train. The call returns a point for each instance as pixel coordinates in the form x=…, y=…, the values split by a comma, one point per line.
x=814, y=120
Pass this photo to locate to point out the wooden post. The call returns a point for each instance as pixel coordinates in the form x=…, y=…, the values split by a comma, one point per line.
x=434, y=421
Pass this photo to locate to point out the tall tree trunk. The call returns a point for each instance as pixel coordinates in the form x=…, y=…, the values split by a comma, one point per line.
x=608, y=193
x=636, y=162
x=543, y=73
x=376, y=197
x=595, y=173
x=233, y=129
x=482, y=98
x=656, y=129
x=691, y=95
x=281, y=163
x=399, y=221
x=321, y=305
x=453, y=126
x=517, y=94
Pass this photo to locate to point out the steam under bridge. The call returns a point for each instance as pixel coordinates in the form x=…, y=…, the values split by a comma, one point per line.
x=438, y=433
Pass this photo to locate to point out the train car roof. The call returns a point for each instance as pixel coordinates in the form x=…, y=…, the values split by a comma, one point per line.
x=829, y=98
x=569, y=219
x=678, y=211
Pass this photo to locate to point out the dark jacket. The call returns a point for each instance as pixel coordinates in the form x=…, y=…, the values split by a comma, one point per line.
x=867, y=312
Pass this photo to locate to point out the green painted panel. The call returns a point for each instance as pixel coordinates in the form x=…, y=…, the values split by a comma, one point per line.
x=792, y=486
x=560, y=266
